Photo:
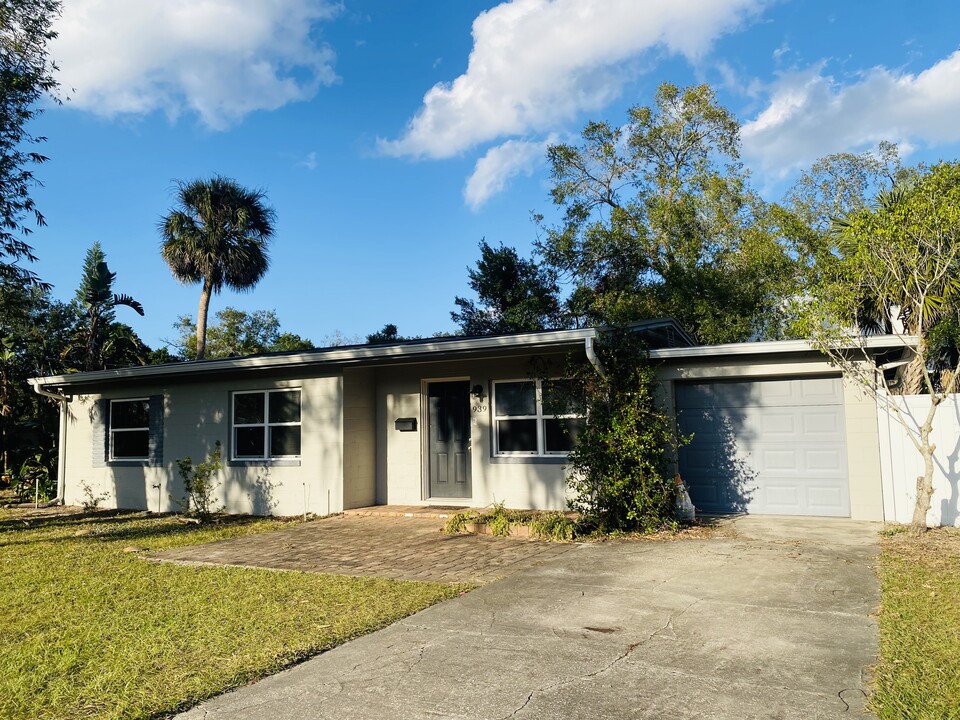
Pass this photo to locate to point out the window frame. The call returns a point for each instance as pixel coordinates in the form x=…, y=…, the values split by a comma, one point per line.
x=540, y=416
x=111, y=430
x=266, y=425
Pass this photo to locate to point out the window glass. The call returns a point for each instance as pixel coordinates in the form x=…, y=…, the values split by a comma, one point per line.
x=517, y=435
x=560, y=397
x=285, y=407
x=248, y=408
x=132, y=445
x=516, y=398
x=284, y=440
x=248, y=442
x=560, y=434
x=129, y=414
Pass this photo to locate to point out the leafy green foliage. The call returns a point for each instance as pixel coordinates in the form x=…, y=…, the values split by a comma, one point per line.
x=103, y=339
x=619, y=467
x=237, y=333
x=546, y=525
x=200, y=484
x=897, y=260
x=218, y=235
x=554, y=525
x=36, y=338
x=659, y=220
x=388, y=334
x=515, y=295
x=26, y=76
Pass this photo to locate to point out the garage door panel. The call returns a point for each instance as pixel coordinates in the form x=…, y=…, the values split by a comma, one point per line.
x=765, y=446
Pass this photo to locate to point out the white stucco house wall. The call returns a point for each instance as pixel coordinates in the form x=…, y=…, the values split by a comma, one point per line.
x=465, y=422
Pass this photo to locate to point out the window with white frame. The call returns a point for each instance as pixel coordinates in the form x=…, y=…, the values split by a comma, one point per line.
x=130, y=429
x=535, y=417
x=266, y=424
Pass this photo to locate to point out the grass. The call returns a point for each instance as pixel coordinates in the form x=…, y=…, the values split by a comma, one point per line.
x=90, y=631
x=918, y=675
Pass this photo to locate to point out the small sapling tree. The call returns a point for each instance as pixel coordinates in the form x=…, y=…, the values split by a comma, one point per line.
x=200, y=484
x=899, y=260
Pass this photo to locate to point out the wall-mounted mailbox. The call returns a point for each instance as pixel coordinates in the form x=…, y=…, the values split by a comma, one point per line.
x=405, y=424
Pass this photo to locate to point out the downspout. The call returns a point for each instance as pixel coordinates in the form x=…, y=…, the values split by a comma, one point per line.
x=61, y=445
x=592, y=357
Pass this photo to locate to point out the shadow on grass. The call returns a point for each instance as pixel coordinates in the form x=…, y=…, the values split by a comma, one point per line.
x=112, y=526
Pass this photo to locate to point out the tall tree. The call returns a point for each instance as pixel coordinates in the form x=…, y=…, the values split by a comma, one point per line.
x=102, y=335
x=515, y=295
x=388, y=334
x=217, y=235
x=903, y=254
x=659, y=220
x=26, y=76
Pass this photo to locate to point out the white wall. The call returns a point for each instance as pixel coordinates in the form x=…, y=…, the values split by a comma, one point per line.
x=901, y=463
x=196, y=416
x=516, y=482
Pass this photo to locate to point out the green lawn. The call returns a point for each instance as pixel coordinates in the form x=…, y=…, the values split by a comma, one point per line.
x=918, y=676
x=89, y=631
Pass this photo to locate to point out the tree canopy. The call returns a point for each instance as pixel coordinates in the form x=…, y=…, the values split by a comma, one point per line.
x=26, y=76
x=236, y=333
x=515, y=295
x=659, y=220
x=898, y=259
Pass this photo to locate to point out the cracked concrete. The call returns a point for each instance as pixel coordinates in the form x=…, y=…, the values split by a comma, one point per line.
x=774, y=624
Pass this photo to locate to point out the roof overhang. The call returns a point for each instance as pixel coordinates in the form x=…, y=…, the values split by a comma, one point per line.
x=873, y=344
x=331, y=358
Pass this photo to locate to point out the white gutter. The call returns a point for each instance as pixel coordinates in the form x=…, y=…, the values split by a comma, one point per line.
x=773, y=347
x=588, y=346
x=61, y=445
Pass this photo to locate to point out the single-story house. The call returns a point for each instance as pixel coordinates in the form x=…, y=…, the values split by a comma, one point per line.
x=463, y=421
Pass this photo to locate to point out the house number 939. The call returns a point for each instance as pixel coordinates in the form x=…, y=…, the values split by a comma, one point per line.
x=479, y=408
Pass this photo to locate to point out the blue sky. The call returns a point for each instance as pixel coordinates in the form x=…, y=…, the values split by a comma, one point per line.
x=392, y=135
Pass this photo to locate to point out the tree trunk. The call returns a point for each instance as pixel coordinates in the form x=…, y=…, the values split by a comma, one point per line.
x=925, y=481
x=205, y=293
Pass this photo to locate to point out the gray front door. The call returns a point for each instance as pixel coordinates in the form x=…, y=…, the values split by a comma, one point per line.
x=448, y=442
x=775, y=446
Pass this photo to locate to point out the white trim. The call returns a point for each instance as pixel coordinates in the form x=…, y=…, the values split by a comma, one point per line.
x=776, y=347
x=539, y=417
x=266, y=424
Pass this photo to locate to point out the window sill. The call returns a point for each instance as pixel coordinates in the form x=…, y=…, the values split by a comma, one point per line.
x=131, y=463
x=265, y=462
x=529, y=460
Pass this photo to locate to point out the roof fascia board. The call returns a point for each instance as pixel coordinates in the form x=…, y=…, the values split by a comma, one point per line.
x=333, y=357
x=773, y=347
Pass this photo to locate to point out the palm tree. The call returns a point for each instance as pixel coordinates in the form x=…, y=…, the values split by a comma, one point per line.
x=217, y=236
x=98, y=301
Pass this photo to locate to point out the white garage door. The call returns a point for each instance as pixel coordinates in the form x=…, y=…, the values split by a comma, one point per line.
x=765, y=446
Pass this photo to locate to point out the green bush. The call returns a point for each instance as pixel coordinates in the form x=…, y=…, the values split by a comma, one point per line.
x=620, y=467
x=552, y=526
x=199, y=484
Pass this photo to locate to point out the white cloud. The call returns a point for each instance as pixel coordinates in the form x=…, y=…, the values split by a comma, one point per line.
x=538, y=63
x=220, y=59
x=811, y=115
x=309, y=161
x=501, y=163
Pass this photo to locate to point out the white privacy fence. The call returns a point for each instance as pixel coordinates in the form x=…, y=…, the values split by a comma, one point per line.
x=900, y=462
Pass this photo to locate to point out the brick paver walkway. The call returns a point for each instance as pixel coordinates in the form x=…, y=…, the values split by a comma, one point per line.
x=403, y=548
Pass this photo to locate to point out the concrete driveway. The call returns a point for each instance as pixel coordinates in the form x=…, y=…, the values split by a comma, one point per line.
x=773, y=624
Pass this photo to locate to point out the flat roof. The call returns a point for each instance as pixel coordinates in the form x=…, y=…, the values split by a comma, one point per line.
x=433, y=349
x=335, y=356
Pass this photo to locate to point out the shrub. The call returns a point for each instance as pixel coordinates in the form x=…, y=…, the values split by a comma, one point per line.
x=199, y=484
x=620, y=467
x=552, y=526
